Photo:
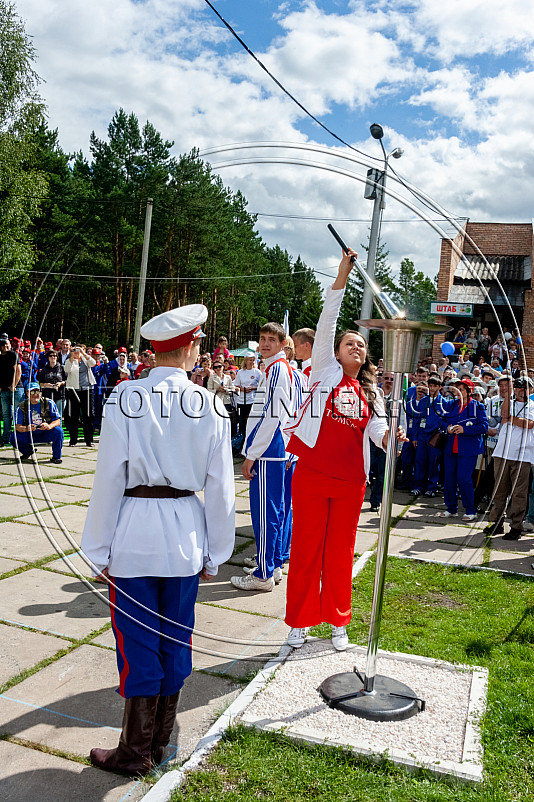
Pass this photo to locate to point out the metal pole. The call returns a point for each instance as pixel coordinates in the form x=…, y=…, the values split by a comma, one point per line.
x=142, y=275
x=378, y=207
x=383, y=535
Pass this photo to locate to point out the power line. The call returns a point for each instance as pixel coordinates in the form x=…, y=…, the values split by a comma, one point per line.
x=177, y=280
x=346, y=219
x=282, y=87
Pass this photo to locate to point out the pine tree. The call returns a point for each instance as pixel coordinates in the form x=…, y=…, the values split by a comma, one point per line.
x=21, y=185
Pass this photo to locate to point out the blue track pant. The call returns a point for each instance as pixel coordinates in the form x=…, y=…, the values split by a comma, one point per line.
x=288, y=517
x=25, y=441
x=150, y=663
x=426, y=467
x=458, y=476
x=267, y=512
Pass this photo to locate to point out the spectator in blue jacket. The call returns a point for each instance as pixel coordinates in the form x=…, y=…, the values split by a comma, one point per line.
x=466, y=422
x=427, y=458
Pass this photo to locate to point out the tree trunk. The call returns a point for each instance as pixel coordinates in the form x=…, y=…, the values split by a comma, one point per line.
x=129, y=314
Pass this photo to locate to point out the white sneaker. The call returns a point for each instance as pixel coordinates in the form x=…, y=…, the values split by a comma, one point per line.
x=340, y=639
x=250, y=562
x=467, y=517
x=252, y=582
x=528, y=526
x=297, y=637
x=446, y=514
x=277, y=573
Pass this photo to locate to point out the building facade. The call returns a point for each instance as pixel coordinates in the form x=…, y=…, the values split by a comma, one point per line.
x=489, y=266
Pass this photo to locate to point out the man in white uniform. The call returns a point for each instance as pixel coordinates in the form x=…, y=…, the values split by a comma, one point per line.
x=163, y=440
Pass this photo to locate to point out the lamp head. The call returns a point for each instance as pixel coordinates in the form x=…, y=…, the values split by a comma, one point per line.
x=397, y=153
x=377, y=132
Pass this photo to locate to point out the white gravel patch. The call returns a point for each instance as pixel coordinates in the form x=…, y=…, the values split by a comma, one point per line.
x=291, y=701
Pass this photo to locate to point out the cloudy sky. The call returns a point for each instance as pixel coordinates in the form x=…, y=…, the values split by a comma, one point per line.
x=451, y=82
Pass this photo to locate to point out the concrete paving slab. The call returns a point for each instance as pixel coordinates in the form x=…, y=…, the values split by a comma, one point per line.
x=106, y=639
x=524, y=546
x=27, y=542
x=242, y=542
x=242, y=520
x=511, y=561
x=365, y=541
x=79, y=566
x=28, y=774
x=242, y=504
x=8, y=565
x=250, y=551
x=219, y=591
x=11, y=505
x=22, y=649
x=430, y=515
x=373, y=517
x=245, y=531
x=51, y=602
x=69, y=705
x=78, y=480
x=433, y=551
x=7, y=479
x=203, y=699
x=77, y=465
x=32, y=470
x=72, y=516
x=231, y=625
x=59, y=494
x=445, y=532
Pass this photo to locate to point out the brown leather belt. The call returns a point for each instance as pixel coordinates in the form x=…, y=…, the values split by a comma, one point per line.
x=158, y=491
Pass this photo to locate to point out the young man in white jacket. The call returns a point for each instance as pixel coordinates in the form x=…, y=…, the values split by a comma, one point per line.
x=163, y=440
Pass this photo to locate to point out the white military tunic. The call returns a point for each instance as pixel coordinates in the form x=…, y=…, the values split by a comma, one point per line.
x=162, y=430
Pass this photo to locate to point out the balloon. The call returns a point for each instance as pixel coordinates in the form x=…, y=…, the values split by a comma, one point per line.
x=519, y=341
x=447, y=349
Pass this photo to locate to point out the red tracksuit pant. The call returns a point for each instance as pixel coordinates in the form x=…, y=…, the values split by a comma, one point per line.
x=325, y=517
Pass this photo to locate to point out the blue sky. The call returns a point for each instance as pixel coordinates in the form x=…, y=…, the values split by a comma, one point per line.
x=451, y=82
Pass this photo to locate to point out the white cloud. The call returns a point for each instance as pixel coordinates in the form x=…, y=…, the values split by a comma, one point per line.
x=331, y=57
x=466, y=28
x=162, y=59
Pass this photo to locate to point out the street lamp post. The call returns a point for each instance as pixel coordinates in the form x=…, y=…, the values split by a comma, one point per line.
x=375, y=191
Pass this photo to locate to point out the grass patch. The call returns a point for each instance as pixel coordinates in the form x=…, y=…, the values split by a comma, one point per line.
x=473, y=617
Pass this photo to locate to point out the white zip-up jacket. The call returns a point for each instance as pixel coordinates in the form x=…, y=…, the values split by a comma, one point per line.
x=72, y=369
x=326, y=374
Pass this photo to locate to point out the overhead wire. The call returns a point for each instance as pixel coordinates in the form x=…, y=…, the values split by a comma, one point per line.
x=282, y=87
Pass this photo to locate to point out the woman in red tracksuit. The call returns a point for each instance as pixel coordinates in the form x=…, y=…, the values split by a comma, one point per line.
x=331, y=440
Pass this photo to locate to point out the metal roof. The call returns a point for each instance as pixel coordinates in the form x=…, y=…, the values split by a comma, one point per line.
x=504, y=268
x=474, y=294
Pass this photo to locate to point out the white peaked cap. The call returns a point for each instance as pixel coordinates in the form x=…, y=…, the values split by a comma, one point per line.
x=175, y=328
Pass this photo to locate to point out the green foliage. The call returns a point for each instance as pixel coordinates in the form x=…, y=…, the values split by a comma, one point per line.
x=203, y=244
x=415, y=292
x=21, y=185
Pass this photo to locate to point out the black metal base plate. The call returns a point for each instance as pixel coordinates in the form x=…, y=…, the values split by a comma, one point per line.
x=389, y=701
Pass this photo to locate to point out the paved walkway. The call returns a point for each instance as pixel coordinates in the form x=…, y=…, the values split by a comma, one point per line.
x=57, y=663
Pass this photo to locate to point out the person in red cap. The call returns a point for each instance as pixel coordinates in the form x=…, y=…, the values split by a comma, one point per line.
x=145, y=362
x=163, y=440
x=466, y=422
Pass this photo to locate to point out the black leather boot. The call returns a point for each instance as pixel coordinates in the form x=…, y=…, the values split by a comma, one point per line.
x=165, y=718
x=132, y=755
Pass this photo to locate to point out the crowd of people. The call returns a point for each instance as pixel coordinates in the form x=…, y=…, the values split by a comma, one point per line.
x=71, y=382
x=310, y=415
x=470, y=432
